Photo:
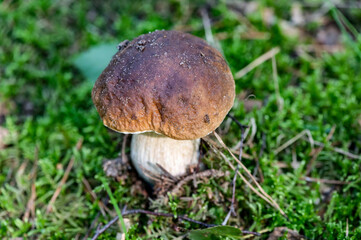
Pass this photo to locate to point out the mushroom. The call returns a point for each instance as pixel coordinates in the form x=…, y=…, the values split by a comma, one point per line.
x=168, y=89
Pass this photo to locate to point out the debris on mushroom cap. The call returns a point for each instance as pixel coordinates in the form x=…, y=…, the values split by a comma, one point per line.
x=168, y=82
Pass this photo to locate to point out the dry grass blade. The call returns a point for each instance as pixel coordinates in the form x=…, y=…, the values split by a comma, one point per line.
x=261, y=59
x=242, y=177
x=294, y=139
x=30, y=206
x=338, y=150
x=327, y=181
x=261, y=192
x=101, y=205
x=318, y=151
x=208, y=31
x=280, y=100
x=63, y=179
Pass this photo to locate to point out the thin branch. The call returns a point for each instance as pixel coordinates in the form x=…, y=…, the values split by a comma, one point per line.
x=240, y=174
x=262, y=192
x=338, y=150
x=231, y=210
x=141, y=211
x=327, y=181
x=240, y=125
x=92, y=225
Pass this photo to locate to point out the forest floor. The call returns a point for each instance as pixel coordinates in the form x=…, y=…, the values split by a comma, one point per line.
x=297, y=69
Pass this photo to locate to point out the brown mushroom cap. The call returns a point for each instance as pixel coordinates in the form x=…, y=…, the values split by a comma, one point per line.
x=168, y=82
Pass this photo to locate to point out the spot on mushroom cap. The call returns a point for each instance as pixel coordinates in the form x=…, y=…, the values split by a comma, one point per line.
x=168, y=82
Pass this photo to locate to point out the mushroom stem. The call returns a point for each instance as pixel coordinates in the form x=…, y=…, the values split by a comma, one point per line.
x=148, y=150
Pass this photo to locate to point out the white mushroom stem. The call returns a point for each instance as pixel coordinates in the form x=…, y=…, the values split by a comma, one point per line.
x=148, y=150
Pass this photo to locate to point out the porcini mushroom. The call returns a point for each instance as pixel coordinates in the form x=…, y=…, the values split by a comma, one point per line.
x=169, y=89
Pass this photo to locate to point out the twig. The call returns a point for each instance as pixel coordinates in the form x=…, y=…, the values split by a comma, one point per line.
x=242, y=177
x=338, y=150
x=204, y=174
x=294, y=139
x=235, y=150
x=88, y=188
x=63, y=179
x=141, y=211
x=262, y=193
x=231, y=210
x=261, y=59
x=257, y=168
x=240, y=125
x=318, y=151
x=91, y=226
x=327, y=181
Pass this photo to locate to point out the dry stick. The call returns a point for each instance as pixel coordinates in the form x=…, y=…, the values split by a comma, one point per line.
x=63, y=179
x=264, y=194
x=141, y=211
x=92, y=225
x=216, y=144
x=261, y=59
x=242, y=177
x=257, y=168
x=30, y=206
x=242, y=127
x=294, y=139
x=204, y=174
x=318, y=151
x=338, y=150
x=231, y=210
x=327, y=181
x=101, y=205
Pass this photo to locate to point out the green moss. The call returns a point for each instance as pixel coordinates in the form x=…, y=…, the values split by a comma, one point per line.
x=51, y=111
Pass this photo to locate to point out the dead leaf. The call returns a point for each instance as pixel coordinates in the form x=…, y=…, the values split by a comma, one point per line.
x=280, y=232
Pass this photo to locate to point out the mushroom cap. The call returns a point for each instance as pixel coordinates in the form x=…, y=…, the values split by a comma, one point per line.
x=167, y=82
